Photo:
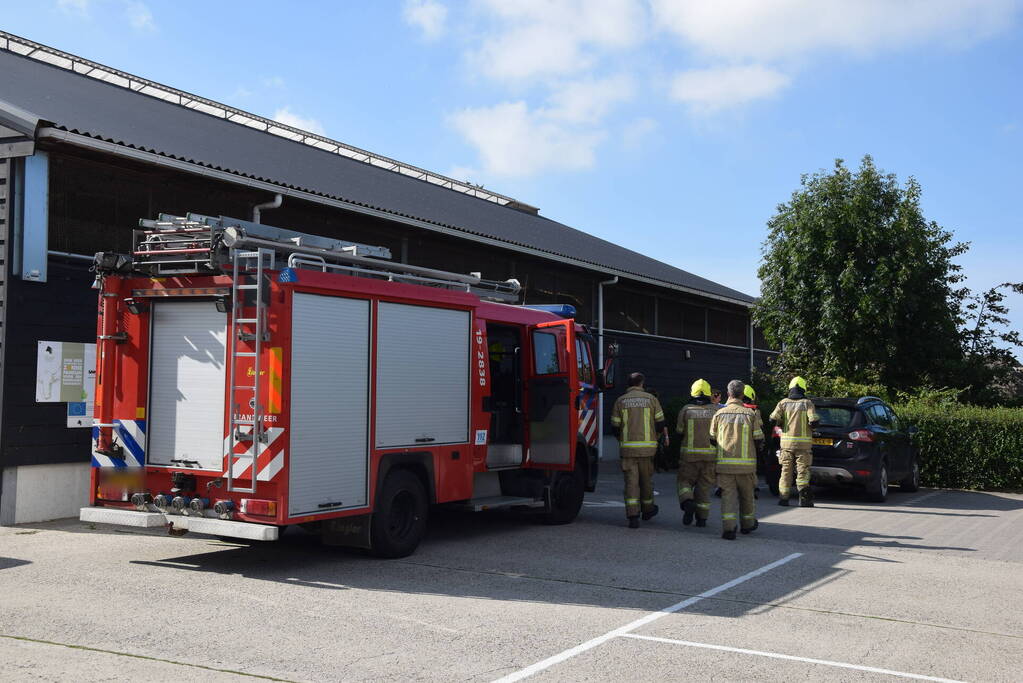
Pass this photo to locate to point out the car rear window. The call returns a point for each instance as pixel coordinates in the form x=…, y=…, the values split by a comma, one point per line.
x=835, y=416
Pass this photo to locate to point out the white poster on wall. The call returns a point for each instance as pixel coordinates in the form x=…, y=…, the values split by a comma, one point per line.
x=66, y=373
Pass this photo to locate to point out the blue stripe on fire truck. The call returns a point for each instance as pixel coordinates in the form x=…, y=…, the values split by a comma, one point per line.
x=131, y=434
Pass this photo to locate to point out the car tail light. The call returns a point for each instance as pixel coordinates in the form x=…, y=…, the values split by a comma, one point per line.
x=863, y=473
x=863, y=435
x=777, y=431
x=263, y=508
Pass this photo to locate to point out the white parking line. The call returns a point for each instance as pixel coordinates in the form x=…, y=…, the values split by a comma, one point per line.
x=932, y=494
x=642, y=621
x=775, y=655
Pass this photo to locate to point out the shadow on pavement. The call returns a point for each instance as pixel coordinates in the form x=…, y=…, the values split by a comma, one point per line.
x=8, y=562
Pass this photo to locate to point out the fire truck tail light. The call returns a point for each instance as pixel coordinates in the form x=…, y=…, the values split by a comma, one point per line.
x=263, y=508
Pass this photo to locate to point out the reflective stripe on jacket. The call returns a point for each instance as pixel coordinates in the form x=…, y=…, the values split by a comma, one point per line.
x=794, y=417
x=637, y=414
x=734, y=427
x=694, y=428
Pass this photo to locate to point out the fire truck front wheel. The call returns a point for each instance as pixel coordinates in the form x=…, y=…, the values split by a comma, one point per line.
x=399, y=520
x=567, y=492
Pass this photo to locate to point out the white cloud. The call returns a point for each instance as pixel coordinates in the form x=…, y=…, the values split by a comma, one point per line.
x=708, y=90
x=637, y=131
x=743, y=30
x=513, y=140
x=139, y=16
x=429, y=16
x=74, y=7
x=539, y=39
x=273, y=82
x=588, y=101
x=289, y=118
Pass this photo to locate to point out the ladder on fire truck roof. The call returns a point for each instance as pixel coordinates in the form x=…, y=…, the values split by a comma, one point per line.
x=248, y=290
x=198, y=244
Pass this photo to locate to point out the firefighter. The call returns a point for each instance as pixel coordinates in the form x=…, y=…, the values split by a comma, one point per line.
x=637, y=419
x=750, y=401
x=795, y=416
x=733, y=429
x=696, y=469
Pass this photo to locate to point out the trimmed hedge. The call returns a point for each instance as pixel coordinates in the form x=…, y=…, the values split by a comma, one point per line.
x=967, y=447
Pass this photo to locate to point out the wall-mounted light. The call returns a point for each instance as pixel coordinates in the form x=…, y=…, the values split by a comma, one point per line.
x=223, y=303
x=687, y=354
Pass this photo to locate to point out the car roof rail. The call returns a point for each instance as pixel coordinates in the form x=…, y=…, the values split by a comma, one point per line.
x=868, y=399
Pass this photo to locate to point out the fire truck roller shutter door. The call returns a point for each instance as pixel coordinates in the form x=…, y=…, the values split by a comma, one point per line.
x=187, y=384
x=422, y=378
x=329, y=404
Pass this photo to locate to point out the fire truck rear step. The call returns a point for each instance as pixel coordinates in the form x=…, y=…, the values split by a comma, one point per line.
x=199, y=525
x=497, y=502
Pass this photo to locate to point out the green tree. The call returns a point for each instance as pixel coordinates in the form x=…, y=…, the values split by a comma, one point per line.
x=857, y=284
x=991, y=370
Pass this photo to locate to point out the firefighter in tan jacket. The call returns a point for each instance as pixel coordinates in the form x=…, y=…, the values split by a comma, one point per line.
x=735, y=432
x=696, y=469
x=637, y=419
x=795, y=416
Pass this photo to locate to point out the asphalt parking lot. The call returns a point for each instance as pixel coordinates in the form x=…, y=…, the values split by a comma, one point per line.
x=926, y=586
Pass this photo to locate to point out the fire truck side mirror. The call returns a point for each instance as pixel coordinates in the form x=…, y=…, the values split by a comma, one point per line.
x=606, y=375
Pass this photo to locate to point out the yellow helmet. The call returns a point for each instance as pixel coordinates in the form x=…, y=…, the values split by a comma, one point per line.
x=798, y=382
x=700, y=388
x=750, y=393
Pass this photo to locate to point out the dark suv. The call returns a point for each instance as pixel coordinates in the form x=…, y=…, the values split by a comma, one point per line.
x=858, y=442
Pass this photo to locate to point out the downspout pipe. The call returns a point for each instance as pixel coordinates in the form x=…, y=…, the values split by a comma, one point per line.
x=275, y=203
x=600, y=362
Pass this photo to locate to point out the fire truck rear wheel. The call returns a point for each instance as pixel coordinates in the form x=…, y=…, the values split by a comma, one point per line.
x=399, y=520
x=567, y=492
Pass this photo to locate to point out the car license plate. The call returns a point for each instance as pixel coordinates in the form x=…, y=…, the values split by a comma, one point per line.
x=822, y=442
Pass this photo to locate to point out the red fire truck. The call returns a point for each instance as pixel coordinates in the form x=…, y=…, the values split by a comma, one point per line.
x=251, y=377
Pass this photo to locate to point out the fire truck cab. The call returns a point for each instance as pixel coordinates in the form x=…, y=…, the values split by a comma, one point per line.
x=250, y=378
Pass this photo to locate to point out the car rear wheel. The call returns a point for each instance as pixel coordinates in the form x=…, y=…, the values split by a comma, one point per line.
x=877, y=490
x=912, y=481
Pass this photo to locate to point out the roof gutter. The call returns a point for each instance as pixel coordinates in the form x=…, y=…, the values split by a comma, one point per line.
x=116, y=149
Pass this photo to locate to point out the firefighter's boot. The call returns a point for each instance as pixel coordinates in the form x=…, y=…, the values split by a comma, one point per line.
x=805, y=498
x=728, y=535
x=688, y=511
x=783, y=501
x=701, y=522
x=756, y=525
x=651, y=513
x=633, y=522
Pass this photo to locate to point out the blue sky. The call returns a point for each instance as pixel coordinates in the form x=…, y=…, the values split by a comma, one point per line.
x=673, y=128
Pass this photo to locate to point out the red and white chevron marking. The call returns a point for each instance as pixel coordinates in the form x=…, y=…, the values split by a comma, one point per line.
x=269, y=462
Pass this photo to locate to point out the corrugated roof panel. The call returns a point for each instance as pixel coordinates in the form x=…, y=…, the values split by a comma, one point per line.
x=91, y=107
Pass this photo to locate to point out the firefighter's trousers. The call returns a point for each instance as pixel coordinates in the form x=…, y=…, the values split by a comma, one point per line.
x=639, y=484
x=737, y=503
x=799, y=460
x=696, y=480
